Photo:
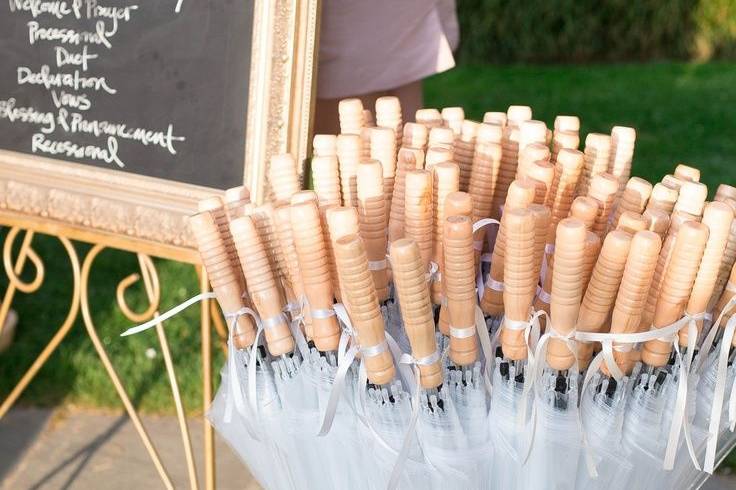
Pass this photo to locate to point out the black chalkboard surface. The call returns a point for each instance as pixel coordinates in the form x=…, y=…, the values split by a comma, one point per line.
x=151, y=87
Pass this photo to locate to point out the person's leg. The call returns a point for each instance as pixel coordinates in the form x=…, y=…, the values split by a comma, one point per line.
x=411, y=96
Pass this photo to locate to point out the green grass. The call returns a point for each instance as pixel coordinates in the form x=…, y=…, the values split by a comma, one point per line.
x=682, y=113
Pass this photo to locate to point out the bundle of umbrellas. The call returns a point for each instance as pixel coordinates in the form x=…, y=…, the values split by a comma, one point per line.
x=474, y=305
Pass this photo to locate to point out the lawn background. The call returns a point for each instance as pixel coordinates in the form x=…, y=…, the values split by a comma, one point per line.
x=683, y=112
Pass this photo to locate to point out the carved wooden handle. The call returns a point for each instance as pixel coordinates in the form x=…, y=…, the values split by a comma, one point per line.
x=567, y=172
x=659, y=221
x=453, y=118
x=429, y=117
x=483, y=176
x=726, y=296
x=597, y=152
x=459, y=286
x=223, y=276
x=282, y=222
x=631, y=297
x=304, y=196
x=685, y=172
x=530, y=153
x=691, y=199
x=283, y=177
x=362, y=303
x=415, y=135
x=349, y=154
x=601, y=291
x=263, y=220
x=567, y=123
x=410, y=279
x=442, y=138
x=235, y=199
x=262, y=285
x=543, y=173
x=383, y=149
x=634, y=198
x=372, y=219
x=717, y=217
x=662, y=198
x=436, y=155
x=520, y=195
x=562, y=139
x=495, y=117
x=542, y=216
x=676, y=287
x=566, y=288
x=313, y=262
x=215, y=206
x=456, y=204
x=341, y=221
x=418, y=211
x=603, y=188
x=445, y=180
x=632, y=222
x=592, y=249
x=324, y=145
x=724, y=192
x=585, y=209
x=622, y=153
x=520, y=278
x=326, y=180
x=351, y=116
x=408, y=159
x=388, y=115
x=465, y=151
x=516, y=114
x=532, y=131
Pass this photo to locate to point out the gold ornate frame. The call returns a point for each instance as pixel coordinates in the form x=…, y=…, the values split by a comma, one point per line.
x=148, y=216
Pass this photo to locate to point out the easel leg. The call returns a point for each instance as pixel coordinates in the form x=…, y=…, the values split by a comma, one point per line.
x=209, y=436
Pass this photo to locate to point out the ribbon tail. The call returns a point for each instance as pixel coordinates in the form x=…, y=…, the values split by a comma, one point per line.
x=406, y=445
x=336, y=392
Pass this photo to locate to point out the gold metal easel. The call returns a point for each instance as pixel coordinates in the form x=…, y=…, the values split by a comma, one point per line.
x=80, y=300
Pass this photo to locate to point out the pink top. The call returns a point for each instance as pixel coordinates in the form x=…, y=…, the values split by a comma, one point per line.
x=375, y=45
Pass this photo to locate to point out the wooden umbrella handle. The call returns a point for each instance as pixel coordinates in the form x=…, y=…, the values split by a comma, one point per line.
x=445, y=180
x=542, y=217
x=685, y=172
x=341, y=221
x=456, y=204
x=631, y=297
x=520, y=195
x=659, y=221
x=632, y=223
x=282, y=221
x=350, y=113
x=603, y=188
x=410, y=278
x=676, y=287
x=326, y=180
x=415, y=135
x=313, y=262
x=418, y=211
x=483, y=177
x=567, y=289
x=283, y=177
x=459, y=286
x=372, y=218
x=520, y=279
x=728, y=293
x=408, y=159
x=633, y=198
x=429, y=117
x=600, y=294
x=262, y=285
x=223, y=276
x=235, y=199
x=383, y=149
x=585, y=209
x=362, y=303
x=349, y=154
x=662, y=198
x=569, y=165
x=717, y=217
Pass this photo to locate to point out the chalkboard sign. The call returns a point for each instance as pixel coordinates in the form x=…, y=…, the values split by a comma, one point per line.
x=151, y=87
